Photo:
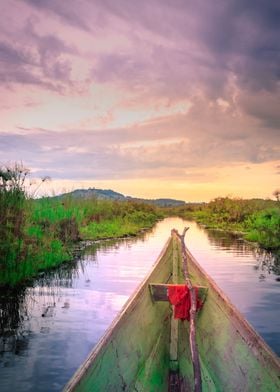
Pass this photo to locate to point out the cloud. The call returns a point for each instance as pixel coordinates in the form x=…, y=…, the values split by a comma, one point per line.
x=163, y=86
x=40, y=60
x=12, y=55
x=66, y=11
x=150, y=151
x=24, y=66
x=229, y=52
x=263, y=106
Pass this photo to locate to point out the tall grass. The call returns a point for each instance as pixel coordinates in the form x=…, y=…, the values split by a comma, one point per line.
x=258, y=219
x=93, y=218
x=12, y=215
x=40, y=234
x=265, y=228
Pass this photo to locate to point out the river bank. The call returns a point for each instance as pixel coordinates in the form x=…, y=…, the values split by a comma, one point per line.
x=51, y=228
x=79, y=300
x=40, y=234
x=256, y=220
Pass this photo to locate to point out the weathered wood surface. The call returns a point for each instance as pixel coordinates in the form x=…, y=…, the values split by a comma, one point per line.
x=134, y=354
x=159, y=291
x=173, y=350
x=192, y=333
x=233, y=357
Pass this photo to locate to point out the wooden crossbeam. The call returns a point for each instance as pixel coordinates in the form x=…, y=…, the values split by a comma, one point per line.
x=159, y=291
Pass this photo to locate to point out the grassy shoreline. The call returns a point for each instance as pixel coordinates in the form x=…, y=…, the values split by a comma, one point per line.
x=40, y=234
x=256, y=220
x=52, y=227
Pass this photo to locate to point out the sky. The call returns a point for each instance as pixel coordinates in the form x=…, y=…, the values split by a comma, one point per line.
x=151, y=98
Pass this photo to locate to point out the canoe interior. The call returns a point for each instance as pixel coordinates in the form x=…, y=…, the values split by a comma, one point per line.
x=134, y=354
x=233, y=356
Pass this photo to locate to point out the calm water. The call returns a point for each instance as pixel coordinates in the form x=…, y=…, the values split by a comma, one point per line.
x=48, y=330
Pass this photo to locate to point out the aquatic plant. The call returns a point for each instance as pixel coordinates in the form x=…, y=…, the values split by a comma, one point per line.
x=39, y=234
x=257, y=219
x=12, y=213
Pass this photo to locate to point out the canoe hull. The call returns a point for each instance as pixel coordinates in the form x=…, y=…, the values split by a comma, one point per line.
x=233, y=356
x=134, y=354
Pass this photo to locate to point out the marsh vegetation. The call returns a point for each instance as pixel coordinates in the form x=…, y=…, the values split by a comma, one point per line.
x=39, y=234
x=257, y=220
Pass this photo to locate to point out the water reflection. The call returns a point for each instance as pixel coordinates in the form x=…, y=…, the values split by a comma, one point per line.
x=266, y=262
x=90, y=249
x=249, y=276
x=63, y=314
x=228, y=242
x=13, y=311
x=48, y=329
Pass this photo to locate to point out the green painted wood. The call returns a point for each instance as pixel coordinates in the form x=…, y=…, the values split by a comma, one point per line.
x=235, y=356
x=159, y=291
x=174, y=326
x=134, y=354
x=121, y=362
x=152, y=377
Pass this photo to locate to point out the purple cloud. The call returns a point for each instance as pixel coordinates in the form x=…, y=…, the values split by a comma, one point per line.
x=218, y=59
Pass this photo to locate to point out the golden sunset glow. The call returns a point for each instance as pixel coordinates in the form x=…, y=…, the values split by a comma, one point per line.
x=105, y=98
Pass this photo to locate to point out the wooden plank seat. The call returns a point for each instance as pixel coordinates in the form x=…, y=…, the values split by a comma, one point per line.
x=159, y=292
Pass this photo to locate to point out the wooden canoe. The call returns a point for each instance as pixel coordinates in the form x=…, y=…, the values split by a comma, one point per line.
x=140, y=349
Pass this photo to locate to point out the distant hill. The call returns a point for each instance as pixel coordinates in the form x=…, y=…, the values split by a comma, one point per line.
x=112, y=195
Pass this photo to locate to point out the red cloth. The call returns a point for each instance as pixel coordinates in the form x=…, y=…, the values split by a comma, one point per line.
x=179, y=296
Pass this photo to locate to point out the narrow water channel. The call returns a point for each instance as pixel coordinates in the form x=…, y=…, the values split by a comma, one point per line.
x=47, y=330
